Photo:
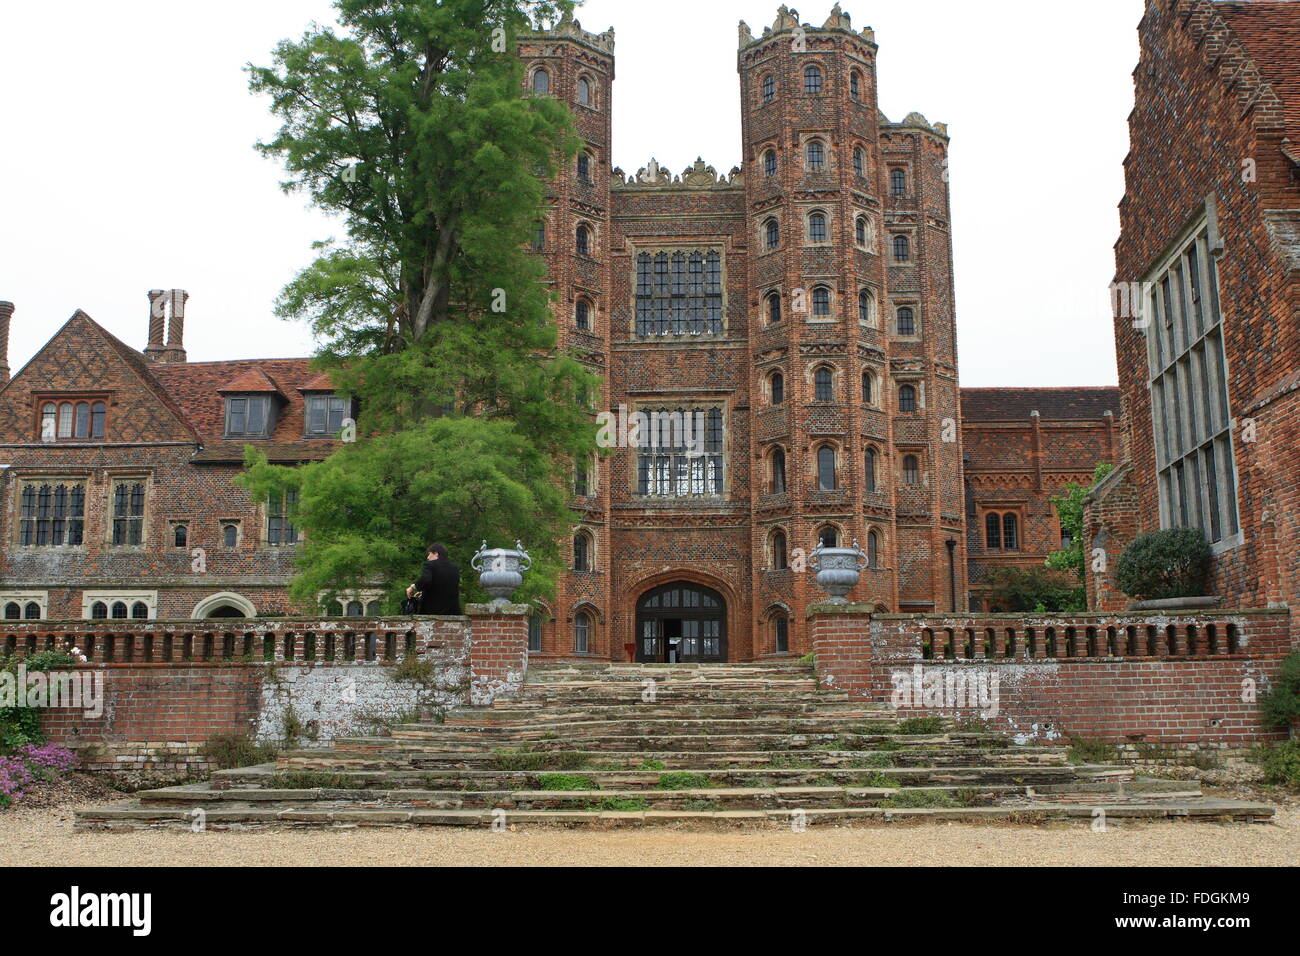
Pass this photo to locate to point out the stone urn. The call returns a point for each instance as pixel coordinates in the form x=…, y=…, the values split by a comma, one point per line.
x=501, y=570
x=838, y=570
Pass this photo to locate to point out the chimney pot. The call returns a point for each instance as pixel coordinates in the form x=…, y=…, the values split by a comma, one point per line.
x=157, y=324
x=176, y=327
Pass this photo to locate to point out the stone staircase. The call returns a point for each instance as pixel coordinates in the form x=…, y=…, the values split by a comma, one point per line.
x=610, y=745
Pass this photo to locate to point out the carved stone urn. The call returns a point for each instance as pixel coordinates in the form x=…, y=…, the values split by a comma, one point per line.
x=501, y=570
x=838, y=570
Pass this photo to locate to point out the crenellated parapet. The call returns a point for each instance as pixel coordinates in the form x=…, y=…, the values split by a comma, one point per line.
x=787, y=21
x=696, y=176
x=572, y=29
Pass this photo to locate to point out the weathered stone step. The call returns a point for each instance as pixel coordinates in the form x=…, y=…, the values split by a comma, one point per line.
x=635, y=741
x=631, y=723
x=736, y=710
x=1042, y=779
x=133, y=816
x=562, y=760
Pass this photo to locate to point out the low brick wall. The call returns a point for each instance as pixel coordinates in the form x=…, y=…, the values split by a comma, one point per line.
x=170, y=686
x=1186, y=680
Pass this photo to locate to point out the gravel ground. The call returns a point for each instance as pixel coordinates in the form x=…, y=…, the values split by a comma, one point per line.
x=34, y=836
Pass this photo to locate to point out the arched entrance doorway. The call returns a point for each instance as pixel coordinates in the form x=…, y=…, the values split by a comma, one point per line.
x=681, y=623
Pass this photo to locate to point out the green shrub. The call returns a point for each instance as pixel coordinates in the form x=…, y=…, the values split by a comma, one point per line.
x=1281, y=702
x=1159, y=565
x=621, y=804
x=311, y=780
x=1015, y=590
x=541, y=760
x=20, y=726
x=652, y=765
x=1282, y=764
x=566, y=781
x=232, y=751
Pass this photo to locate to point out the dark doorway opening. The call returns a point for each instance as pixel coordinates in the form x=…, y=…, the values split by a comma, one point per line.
x=680, y=624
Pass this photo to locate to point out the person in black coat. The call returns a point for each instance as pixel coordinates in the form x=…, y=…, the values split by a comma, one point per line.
x=439, y=584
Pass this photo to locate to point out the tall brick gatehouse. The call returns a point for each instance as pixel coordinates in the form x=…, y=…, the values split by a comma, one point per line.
x=800, y=307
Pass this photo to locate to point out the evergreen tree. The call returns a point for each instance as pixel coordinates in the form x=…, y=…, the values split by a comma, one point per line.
x=410, y=122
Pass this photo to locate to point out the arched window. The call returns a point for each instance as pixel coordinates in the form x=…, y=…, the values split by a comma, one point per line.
x=1010, y=532
x=13, y=612
x=911, y=470
x=119, y=612
x=584, y=241
x=868, y=388
x=374, y=609
x=902, y=249
x=230, y=535
x=866, y=307
x=859, y=161
x=812, y=80
x=584, y=91
x=780, y=559
x=584, y=167
x=581, y=552
x=769, y=163
x=826, y=468
x=778, y=472
x=781, y=633
x=777, y=388
x=861, y=231
x=582, y=633
x=539, y=235
x=583, y=315
x=181, y=536
x=824, y=385
x=772, y=230
x=898, y=182
x=32, y=611
x=816, y=154
x=541, y=82
x=769, y=88
x=821, y=301
x=906, y=321
x=993, y=531
x=829, y=537
x=99, y=611
x=855, y=84
x=871, y=456
x=907, y=398
x=773, y=308
x=873, y=550
x=140, y=611
x=82, y=428
x=817, y=227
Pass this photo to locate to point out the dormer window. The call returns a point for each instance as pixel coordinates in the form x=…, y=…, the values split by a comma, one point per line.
x=325, y=415
x=248, y=416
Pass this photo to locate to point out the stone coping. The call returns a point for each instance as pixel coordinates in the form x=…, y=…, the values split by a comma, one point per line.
x=859, y=610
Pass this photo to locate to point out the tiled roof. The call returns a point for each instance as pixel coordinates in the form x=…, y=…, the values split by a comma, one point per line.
x=249, y=381
x=1270, y=31
x=196, y=388
x=1053, y=404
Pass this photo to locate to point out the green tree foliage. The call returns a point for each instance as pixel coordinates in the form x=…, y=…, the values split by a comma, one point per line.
x=1014, y=590
x=1281, y=702
x=1069, y=509
x=410, y=122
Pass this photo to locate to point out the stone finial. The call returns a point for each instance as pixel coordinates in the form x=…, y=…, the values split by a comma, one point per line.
x=786, y=19
x=838, y=20
x=746, y=36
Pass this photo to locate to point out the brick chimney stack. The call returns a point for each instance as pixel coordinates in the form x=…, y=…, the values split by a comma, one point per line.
x=6, y=313
x=166, y=314
x=157, y=325
x=176, y=327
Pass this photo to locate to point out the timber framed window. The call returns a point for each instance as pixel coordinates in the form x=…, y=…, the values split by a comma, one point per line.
x=1195, y=465
x=679, y=293
x=681, y=453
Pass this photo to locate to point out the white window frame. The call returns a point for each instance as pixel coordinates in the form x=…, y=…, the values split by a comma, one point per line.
x=150, y=598
x=23, y=598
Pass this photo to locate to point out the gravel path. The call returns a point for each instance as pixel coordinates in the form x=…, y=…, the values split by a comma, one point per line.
x=44, y=837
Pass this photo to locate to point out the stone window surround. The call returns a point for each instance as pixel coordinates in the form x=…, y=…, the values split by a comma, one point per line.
x=84, y=479
x=115, y=479
x=704, y=245
x=23, y=598
x=894, y=307
x=110, y=597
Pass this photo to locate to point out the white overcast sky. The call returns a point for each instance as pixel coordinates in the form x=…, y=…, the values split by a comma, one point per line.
x=126, y=159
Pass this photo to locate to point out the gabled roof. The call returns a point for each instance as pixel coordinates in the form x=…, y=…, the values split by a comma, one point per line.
x=250, y=381
x=1270, y=32
x=1052, y=404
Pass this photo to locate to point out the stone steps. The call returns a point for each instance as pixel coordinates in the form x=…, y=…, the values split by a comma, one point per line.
x=716, y=746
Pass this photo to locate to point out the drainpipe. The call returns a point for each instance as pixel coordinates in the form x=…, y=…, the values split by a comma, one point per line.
x=952, y=573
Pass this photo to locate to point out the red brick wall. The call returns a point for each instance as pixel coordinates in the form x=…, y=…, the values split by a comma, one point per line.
x=1178, y=695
